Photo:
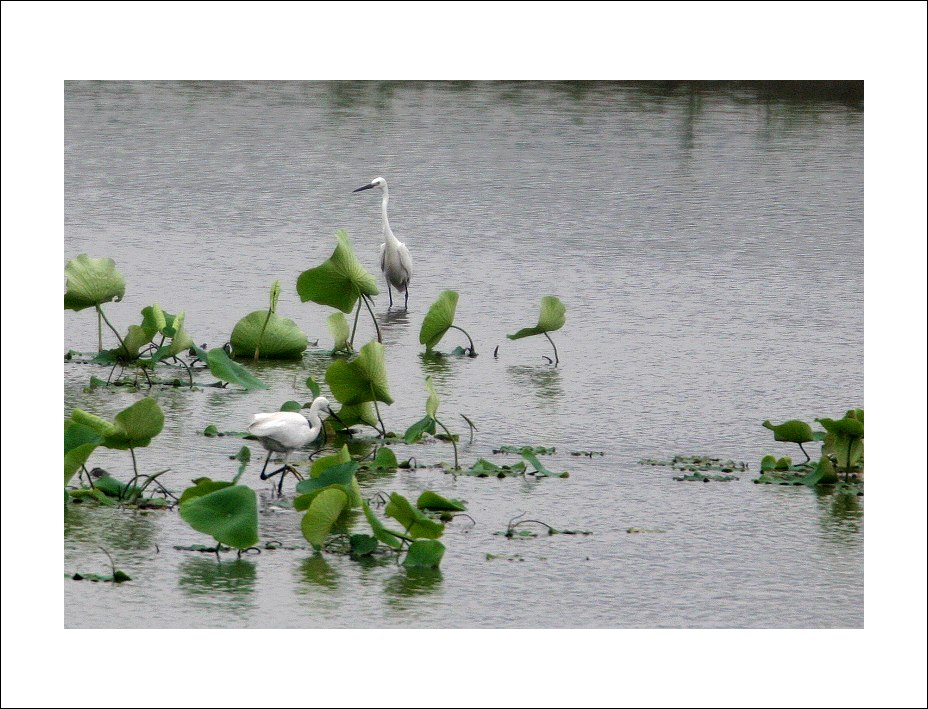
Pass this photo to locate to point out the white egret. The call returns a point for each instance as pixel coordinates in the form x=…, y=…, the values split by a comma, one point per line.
x=395, y=261
x=286, y=431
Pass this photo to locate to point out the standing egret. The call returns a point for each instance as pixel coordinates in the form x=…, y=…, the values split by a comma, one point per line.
x=285, y=431
x=395, y=261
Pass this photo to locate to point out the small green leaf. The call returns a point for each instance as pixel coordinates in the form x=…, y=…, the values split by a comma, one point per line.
x=431, y=403
x=552, y=317
x=385, y=459
x=211, y=431
x=362, y=545
x=414, y=432
x=438, y=319
x=225, y=369
x=292, y=406
x=339, y=281
x=362, y=379
x=79, y=442
x=540, y=469
x=424, y=554
x=136, y=425
x=382, y=533
x=321, y=464
x=313, y=387
x=417, y=525
x=92, y=281
x=338, y=327
x=429, y=500
x=768, y=462
x=229, y=515
x=324, y=510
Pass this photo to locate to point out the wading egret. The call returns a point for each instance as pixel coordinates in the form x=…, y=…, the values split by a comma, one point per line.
x=395, y=261
x=286, y=431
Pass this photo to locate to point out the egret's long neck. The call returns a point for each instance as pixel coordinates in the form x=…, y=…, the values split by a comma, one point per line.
x=387, y=232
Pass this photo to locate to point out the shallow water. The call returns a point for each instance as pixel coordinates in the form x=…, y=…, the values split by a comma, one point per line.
x=709, y=249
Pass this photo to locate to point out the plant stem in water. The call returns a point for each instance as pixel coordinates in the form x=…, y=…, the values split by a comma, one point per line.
x=473, y=351
x=374, y=318
x=555, y=348
x=450, y=438
x=115, y=332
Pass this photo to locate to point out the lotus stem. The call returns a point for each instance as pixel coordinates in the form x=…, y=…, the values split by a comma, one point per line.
x=99, y=330
x=374, y=318
x=804, y=451
x=450, y=438
x=473, y=351
x=556, y=360
x=261, y=336
x=355, y=326
x=115, y=332
x=383, y=429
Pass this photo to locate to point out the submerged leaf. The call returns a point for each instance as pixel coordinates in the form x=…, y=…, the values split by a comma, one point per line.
x=339, y=281
x=92, y=281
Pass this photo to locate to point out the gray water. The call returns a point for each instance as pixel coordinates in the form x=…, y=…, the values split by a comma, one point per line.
x=708, y=247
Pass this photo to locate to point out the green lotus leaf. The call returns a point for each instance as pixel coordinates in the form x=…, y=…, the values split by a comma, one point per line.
x=431, y=403
x=313, y=386
x=416, y=524
x=339, y=281
x=79, y=443
x=272, y=336
x=320, y=465
x=229, y=515
x=136, y=425
x=414, y=432
x=355, y=414
x=225, y=369
x=338, y=326
x=362, y=379
x=793, y=431
x=99, y=425
x=438, y=319
x=341, y=474
x=385, y=459
x=769, y=462
x=541, y=469
x=424, y=554
x=324, y=510
x=850, y=427
x=92, y=281
x=429, y=500
x=382, y=533
x=362, y=545
x=552, y=317
x=203, y=486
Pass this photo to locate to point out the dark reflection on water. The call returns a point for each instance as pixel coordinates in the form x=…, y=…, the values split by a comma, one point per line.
x=842, y=512
x=543, y=381
x=230, y=584
x=316, y=571
x=411, y=583
x=122, y=529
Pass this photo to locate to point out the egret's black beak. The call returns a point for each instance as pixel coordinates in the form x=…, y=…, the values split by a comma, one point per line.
x=335, y=416
x=366, y=187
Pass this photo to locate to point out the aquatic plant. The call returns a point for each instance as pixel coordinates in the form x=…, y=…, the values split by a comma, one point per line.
x=90, y=283
x=793, y=431
x=340, y=282
x=265, y=333
x=359, y=381
x=552, y=317
x=428, y=423
x=439, y=319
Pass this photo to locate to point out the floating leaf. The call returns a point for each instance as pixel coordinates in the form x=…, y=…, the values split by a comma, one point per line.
x=483, y=468
x=703, y=478
x=438, y=319
x=362, y=379
x=341, y=474
x=424, y=554
x=416, y=524
x=92, y=281
x=697, y=463
x=225, y=369
x=269, y=334
x=322, y=464
x=229, y=515
x=362, y=545
x=339, y=281
x=540, y=469
x=429, y=500
x=768, y=462
x=324, y=510
x=552, y=317
x=536, y=450
x=338, y=327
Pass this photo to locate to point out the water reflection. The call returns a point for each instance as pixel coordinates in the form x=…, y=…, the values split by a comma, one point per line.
x=229, y=583
x=411, y=583
x=393, y=325
x=545, y=382
x=122, y=529
x=317, y=572
x=841, y=511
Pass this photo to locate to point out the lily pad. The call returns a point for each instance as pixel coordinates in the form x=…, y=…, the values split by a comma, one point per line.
x=438, y=319
x=519, y=450
x=362, y=379
x=91, y=282
x=484, y=468
x=229, y=515
x=339, y=281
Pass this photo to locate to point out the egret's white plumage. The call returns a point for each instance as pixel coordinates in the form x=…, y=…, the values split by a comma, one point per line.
x=395, y=261
x=286, y=431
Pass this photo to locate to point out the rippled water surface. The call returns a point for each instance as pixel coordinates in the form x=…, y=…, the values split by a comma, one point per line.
x=709, y=250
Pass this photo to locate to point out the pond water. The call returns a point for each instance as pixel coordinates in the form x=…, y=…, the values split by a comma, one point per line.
x=708, y=247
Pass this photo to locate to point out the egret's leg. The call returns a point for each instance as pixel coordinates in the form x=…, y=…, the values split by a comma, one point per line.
x=390, y=293
x=406, y=304
x=266, y=461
